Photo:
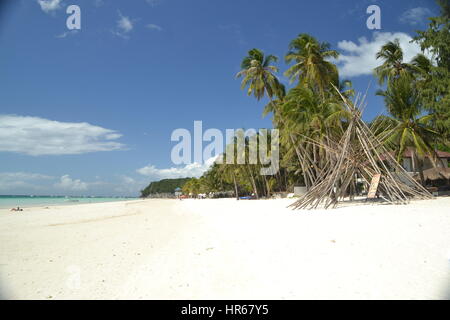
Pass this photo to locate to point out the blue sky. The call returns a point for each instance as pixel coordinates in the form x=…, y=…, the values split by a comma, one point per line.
x=91, y=112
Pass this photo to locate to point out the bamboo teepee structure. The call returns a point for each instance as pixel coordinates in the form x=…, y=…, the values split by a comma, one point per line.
x=357, y=153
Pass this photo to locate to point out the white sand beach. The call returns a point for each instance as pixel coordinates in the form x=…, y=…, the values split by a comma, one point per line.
x=226, y=249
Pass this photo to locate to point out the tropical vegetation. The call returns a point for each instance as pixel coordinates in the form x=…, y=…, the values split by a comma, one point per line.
x=164, y=186
x=415, y=93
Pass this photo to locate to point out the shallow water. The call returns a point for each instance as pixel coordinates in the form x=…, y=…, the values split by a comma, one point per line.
x=36, y=201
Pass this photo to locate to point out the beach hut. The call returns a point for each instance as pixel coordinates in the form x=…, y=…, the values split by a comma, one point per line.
x=436, y=179
x=434, y=174
x=178, y=192
x=441, y=161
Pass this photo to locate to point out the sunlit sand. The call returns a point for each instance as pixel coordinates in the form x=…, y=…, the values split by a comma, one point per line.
x=226, y=249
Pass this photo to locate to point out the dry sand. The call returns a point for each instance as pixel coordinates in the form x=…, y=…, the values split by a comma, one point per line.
x=226, y=249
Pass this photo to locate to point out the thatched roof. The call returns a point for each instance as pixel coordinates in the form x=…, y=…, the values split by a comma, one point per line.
x=440, y=154
x=408, y=153
x=435, y=174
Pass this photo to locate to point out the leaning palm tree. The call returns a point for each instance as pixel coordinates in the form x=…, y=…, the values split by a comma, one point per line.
x=259, y=75
x=393, y=65
x=311, y=67
x=410, y=128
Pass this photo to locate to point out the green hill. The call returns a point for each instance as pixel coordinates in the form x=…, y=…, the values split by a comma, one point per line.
x=163, y=186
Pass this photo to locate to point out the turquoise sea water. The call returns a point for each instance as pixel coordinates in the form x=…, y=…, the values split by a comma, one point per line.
x=37, y=201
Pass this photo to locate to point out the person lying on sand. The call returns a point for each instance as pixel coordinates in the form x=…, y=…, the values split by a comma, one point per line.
x=17, y=209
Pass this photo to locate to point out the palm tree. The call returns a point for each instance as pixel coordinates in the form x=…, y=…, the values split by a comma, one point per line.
x=248, y=169
x=345, y=88
x=311, y=67
x=270, y=150
x=312, y=118
x=410, y=127
x=421, y=67
x=316, y=76
x=259, y=75
x=230, y=171
x=435, y=97
x=393, y=65
x=191, y=187
x=261, y=80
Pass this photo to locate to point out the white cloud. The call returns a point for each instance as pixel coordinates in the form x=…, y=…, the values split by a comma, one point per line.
x=67, y=33
x=23, y=176
x=190, y=170
x=415, y=16
x=37, y=136
x=154, y=27
x=49, y=5
x=129, y=186
x=36, y=183
x=124, y=26
x=128, y=180
x=13, y=181
x=360, y=58
x=67, y=183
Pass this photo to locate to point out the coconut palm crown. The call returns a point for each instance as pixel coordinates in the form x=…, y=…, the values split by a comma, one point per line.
x=259, y=75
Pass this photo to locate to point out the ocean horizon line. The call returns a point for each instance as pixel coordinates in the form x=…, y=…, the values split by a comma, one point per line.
x=61, y=196
x=27, y=201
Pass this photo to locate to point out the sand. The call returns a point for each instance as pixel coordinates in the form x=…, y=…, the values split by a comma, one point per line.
x=226, y=249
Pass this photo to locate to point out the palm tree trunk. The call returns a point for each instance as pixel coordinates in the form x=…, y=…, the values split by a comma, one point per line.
x=235, y=187
x=267, y=187
x=291, y=136
x=254, y=185
x=420, y=168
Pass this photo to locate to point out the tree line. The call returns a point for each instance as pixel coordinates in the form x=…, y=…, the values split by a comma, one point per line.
x=415, y=93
